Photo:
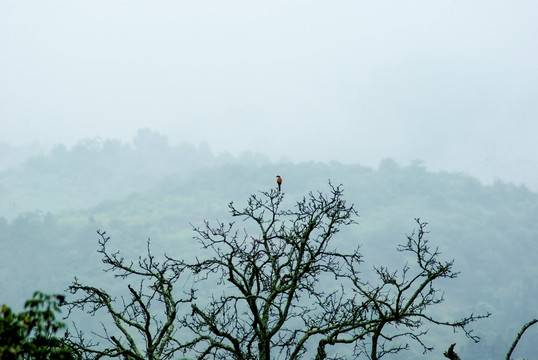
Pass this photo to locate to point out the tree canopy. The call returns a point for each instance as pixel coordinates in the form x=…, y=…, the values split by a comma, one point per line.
x=278, y=288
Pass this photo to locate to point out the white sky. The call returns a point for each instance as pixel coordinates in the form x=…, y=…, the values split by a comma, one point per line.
x=454, y=83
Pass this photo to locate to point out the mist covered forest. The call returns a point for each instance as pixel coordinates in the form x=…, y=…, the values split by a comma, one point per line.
x=52, y=205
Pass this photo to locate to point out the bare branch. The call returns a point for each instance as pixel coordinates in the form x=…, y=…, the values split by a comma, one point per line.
x=519, y=335
x=141, y=332
x=451, y=354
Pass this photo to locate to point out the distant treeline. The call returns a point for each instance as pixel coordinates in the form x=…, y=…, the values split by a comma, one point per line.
x=98, y=169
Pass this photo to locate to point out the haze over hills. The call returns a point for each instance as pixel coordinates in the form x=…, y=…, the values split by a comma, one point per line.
x=451, y=83
x=156, y=190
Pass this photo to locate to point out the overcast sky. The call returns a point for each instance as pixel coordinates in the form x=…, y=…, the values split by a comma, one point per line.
x=453, y=83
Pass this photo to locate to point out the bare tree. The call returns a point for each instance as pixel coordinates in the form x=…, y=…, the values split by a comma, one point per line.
x=276, y=289
x=142, y=323
x=286, y=289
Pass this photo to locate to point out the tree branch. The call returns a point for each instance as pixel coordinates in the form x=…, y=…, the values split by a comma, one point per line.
x=519, y=335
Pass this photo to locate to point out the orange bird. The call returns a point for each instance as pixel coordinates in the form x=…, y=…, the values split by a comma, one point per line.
x=279, y=181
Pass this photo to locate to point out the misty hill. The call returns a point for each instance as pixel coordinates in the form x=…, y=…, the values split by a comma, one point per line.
x=491, y=231
x=11, y=156
x=97, y=169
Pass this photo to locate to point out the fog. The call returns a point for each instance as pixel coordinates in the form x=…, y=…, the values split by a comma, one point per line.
x=452, y=83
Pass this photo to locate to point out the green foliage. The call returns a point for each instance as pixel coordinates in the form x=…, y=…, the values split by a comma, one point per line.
x=32, y=333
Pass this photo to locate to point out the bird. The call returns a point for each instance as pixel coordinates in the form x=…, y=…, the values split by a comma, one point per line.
x=279, y=182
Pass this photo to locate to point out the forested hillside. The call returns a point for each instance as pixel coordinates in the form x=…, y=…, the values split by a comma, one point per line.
x=52, y=206
x=97, y=169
